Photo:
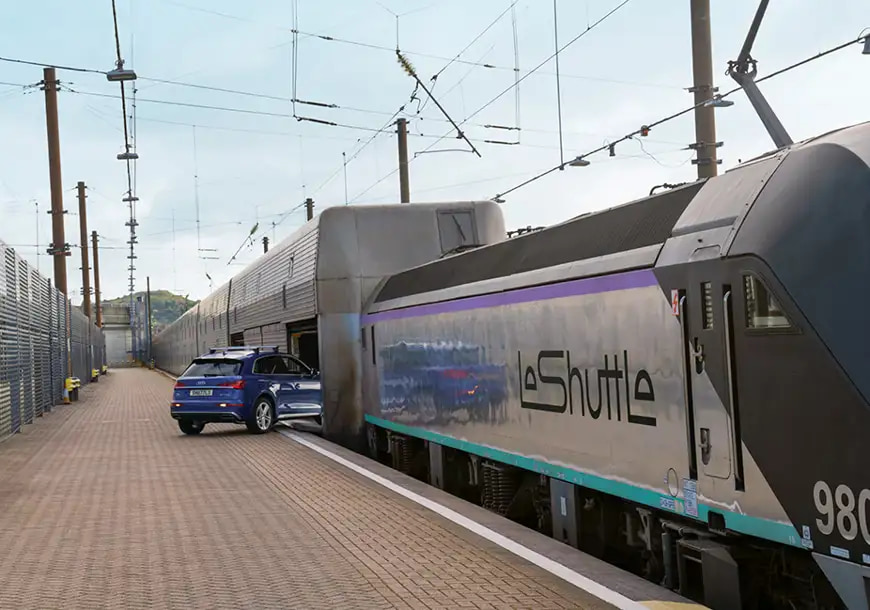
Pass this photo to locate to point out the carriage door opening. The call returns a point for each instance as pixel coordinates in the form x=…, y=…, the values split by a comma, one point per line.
x=708, y=341
x=303, y=342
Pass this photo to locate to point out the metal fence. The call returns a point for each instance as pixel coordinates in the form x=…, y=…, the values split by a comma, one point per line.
x=40, y=333
x=87, y=347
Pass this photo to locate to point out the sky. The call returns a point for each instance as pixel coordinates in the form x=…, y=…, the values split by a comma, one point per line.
x=249, y=162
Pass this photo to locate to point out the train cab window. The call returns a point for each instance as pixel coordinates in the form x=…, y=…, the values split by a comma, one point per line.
x=762, y=309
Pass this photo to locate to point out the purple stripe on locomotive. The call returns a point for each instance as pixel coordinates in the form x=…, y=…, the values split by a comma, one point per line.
x=642, y=278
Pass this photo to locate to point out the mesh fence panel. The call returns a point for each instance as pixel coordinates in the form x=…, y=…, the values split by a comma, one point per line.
x=25, y=342
x=8, y=342
x=40, y=334
x=40, y=328
x=56, y=352
x=80, y=345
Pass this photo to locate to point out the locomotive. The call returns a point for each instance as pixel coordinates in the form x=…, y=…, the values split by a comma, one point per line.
x=680, y=384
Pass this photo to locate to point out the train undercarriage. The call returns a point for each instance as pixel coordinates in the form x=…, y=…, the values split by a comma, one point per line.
x=709, y=565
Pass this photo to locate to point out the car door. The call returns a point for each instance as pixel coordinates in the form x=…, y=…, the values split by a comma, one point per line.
x=264, y=373
x=299, y=391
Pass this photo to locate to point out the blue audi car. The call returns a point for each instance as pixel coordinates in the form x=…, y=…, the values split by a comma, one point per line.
x=255, y=386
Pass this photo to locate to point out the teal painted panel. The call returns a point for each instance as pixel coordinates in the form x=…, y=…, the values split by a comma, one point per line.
x=738, y=522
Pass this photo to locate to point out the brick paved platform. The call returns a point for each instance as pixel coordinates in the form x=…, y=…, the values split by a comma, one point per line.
x=105, y=504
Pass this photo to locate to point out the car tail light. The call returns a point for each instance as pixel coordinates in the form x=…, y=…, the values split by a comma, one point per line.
x=179, y=384
x=236, y=385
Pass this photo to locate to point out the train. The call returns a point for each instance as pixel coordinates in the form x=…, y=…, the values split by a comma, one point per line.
x=678, y=385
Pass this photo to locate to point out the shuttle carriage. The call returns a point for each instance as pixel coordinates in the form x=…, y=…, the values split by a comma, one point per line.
x=306, y=294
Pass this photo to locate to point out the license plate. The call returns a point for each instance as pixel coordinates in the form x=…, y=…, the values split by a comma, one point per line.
x=200, y=392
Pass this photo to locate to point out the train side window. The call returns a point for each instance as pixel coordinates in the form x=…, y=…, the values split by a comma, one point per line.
x=762, y=309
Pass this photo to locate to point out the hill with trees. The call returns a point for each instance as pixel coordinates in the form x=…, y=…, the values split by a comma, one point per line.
x=166, y=307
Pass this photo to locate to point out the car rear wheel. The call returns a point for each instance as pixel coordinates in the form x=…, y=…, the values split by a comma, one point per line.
x=263, y=417
x=190, y=427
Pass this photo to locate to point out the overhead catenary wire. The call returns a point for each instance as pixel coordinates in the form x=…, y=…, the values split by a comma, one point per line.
x=47, y=65
x=356, y=153
x=524, y=173
x=378, y=131
x=475, y=39
x=490, y=66
x=282, y=115
x=588, y=29
x=22, y=85
x=434, y=79
x=266, y=132
x=239, y=18
x=252, y=94
x=411, y=71
x=285, y=115
x=649, y=126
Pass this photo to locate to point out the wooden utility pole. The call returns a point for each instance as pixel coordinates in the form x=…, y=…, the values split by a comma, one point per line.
x=309, y=208
x=86, y=275
x=97, y=304
x=404, y=185
x=58, y=249
x=702, y=69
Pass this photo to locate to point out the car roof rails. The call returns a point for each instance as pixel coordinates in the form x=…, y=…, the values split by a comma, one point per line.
x=241, y=348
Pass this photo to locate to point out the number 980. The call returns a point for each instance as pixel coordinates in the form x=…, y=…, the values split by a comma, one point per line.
x=840, y=510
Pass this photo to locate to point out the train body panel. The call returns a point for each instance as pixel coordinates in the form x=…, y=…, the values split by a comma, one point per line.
x=576, y=396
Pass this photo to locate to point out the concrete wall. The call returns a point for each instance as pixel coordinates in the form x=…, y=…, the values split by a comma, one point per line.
x=116, y=327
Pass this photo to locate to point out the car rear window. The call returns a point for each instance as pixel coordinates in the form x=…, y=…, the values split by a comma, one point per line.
x=213, y=368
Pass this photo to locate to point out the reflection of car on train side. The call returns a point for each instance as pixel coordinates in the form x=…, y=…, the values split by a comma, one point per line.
x=419, y=376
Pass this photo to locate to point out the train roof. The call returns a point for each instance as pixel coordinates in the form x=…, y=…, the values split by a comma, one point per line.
x=629, y=236
x=644, y=222
x=323, y=244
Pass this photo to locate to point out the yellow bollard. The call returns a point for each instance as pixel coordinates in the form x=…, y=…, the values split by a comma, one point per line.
x=67, y=390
